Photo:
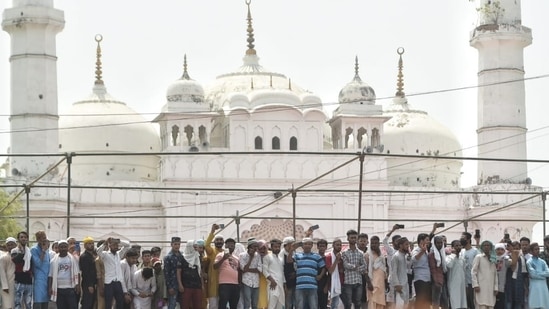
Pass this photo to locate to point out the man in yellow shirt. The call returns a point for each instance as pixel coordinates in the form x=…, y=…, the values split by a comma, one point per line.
x=211, y=253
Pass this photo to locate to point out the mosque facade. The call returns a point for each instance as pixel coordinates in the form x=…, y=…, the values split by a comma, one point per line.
x=257, y=152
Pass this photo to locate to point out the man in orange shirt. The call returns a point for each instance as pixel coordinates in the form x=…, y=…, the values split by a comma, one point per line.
x=211, y=253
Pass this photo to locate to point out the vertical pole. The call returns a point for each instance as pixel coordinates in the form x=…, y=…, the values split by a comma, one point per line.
x=294, y=194
x=543, y=198
x=27, y=193
x=361, y=158
x=237, y=221
x=69, y=162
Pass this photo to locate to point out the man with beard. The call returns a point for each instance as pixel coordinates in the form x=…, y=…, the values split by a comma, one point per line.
x=469, y=253
x=211, y=253
x=455, y=263
x=273, y=270
x=334, y=265
x=437, y=267
x=64, y=278
x=8, y=268
x=484, y=276
x=89, y=274
x=114, y=285
x=226, y=264
x=21, y=257
x=377, y=272
x=40, y=270
x=362, y=244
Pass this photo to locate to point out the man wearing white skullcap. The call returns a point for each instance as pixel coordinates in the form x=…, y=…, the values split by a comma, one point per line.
x=8, y=269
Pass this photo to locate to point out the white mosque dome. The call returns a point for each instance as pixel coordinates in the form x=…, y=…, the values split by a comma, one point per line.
x=357, y=91
x=185, y=94
x=414, y=132
x=101, y=124
x=357, y=97
x=259, y=85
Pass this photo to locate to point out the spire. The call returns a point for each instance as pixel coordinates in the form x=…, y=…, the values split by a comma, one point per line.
x=98, y=71
x=250, y=30
x=185, y=73
x=357, y=77
x=400, y=77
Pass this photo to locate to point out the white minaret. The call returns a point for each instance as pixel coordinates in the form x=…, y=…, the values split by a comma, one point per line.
x=33, y=25
x=500, y=40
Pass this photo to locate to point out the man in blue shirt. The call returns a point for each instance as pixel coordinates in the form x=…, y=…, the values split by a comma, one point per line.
x=41, y=269
x=310, y=268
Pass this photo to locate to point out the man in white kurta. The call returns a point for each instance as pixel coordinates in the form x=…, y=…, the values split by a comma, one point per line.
x=484, y=276
x=273, y=270
x=8, y=270
x=144, y=287
x=455, y=262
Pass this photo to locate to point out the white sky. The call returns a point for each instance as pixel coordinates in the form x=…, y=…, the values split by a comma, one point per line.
x=313, y=42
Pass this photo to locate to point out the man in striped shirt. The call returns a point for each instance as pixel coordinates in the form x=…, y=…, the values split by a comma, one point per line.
x=310, y=268
x=354, y=266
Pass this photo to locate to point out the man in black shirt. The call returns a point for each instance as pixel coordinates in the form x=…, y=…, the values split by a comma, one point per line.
x=289, y=274
x=89, y=274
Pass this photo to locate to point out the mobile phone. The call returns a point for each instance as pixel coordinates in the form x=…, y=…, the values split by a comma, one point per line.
x=477, y=233
x=314, y=227
x=400, y=226
x=77, y=246
x=440, y=224
x=221, y=226
x=506, y=236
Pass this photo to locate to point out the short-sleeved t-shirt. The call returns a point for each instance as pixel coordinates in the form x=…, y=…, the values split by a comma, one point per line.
x=63, y=272
x=308, y=266
x=228, y=270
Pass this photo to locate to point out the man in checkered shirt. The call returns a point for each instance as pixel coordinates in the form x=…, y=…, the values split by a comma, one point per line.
x=354, y=266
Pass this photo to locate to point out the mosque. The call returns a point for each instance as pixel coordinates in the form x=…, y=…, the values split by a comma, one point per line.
x=256, y=152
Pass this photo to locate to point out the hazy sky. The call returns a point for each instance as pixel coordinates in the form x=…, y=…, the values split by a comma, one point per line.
x=314, y=42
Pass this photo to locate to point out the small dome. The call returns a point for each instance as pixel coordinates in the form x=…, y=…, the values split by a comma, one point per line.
x=185, y=91
x=357, y=91
x=185, y=94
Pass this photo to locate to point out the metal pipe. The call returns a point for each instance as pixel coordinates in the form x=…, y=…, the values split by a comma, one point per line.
x=294, y=194
x=361, y=176
x=27, y=193
x=543, y=198
x=69, y=164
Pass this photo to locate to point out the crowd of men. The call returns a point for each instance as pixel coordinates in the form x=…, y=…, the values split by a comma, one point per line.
x=219, y=273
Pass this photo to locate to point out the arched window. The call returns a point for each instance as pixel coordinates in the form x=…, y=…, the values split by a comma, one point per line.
x=275, y=143
x=375, y=137
x=293, y=143
x=258, y=143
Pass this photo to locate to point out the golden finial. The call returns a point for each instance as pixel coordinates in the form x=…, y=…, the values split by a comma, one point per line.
x=250, y=30
x=185, y=73
x=400, y=77
x=98, y=72
x=357, y=77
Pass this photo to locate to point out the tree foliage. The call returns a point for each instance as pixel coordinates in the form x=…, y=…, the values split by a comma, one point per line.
x=9, y=227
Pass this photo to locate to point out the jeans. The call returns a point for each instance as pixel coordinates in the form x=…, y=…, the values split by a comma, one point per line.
x=351, y=294
x=250, y=296
x=114, y=290
x=290, y=298
x=423, y=294
x=228, y=294
x=66, y=299
x=23, y=295
x=88, y=299
x=306, y=298
x=335, y=302
x=172, y=300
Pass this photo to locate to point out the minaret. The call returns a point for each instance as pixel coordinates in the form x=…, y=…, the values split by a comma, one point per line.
x=33, y=25
x=500, y=40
